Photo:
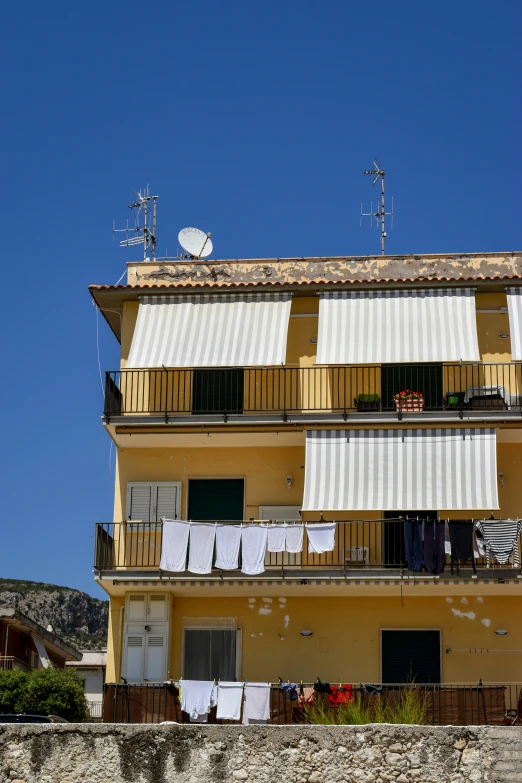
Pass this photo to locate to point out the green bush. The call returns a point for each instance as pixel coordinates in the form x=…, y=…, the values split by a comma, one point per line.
x=410, y=706
x=44, y=692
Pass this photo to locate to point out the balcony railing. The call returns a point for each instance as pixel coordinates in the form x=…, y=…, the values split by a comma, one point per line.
x=10, y=662
x=368, y=389
x=359, y=546
x=495, y=704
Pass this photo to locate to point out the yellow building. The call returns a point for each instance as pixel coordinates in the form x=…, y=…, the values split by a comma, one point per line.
x=267, y=390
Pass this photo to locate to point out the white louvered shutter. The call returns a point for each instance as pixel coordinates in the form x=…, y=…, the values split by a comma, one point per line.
x=158, y=608
x=136, y=608
x=139, y=501
x=167, y=497
x=155, y=657
x=133, y=664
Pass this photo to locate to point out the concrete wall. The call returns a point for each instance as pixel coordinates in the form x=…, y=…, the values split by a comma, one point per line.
x=185, y=754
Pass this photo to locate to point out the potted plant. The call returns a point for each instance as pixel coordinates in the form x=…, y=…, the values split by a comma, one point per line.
x=409, y=400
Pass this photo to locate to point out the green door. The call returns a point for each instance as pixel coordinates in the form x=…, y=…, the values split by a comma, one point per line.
x=424, y=378
x=221, y=499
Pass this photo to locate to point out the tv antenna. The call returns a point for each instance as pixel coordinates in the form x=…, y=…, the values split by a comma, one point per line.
x=381, y=213
x=142, y=232
x=195, y=242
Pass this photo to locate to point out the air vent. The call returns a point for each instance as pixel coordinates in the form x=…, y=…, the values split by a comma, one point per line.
x=155, y=641
x=134, y=641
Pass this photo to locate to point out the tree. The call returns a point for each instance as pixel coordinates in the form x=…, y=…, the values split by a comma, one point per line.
x=44, y=692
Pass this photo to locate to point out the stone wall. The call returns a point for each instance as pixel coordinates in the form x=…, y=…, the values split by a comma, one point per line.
x=259, y=754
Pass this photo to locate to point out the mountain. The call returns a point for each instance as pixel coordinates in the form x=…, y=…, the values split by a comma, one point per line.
x=76, y=617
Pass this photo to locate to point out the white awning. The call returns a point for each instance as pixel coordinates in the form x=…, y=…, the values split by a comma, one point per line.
x=376, y=327
x=514, y=300
x=401, y=470
x=209, y=330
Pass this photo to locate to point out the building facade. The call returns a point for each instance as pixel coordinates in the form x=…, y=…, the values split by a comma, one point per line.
x=25, y=645
x=383, y=394
x=91, y=670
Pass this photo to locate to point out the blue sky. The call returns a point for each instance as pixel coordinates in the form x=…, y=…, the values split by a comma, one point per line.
x=251, y=120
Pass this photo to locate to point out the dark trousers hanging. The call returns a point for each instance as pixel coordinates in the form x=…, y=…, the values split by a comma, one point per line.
x=413, y=543
x=434, y=546
x=461, y=538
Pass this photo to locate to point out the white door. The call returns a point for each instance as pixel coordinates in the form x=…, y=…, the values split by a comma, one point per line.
x=156, y=655
x=134, y=656
x=145, y=654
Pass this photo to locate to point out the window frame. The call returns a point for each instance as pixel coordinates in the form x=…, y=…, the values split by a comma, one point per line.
x=439, y=631
x=212, y=627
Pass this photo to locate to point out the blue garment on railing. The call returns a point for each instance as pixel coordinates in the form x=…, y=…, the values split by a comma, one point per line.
x=434, y=554
x=290, y=688
x=413, y=543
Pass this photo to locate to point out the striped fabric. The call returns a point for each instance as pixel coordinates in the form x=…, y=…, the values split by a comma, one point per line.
x=514, y=300
x=400, y=469
x=209, y=330
x=375, y=327
x=502, y=539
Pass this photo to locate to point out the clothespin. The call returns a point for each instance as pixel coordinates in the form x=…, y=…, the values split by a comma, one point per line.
x=321, y=517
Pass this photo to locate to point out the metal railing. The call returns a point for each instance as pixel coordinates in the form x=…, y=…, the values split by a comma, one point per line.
x=95, y=709
x=292, y=390
x=360, y=545
x=494, y=704
x=10, y=662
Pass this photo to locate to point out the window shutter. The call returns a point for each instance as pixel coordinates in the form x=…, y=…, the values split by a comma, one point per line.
x=167, y=500
x=155, y=657
x=157, y=607
x=139, y=504
x=135, y=654
x=136, y=608
x=216, y=499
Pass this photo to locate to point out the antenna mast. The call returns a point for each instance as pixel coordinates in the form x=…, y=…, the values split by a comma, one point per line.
x=141, y=234
x=381, y=213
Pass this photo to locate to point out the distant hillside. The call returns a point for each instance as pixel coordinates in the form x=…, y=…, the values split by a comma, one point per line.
x=75, y=616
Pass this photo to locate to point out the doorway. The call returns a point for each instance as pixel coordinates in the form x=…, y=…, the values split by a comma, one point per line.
x=410, y=656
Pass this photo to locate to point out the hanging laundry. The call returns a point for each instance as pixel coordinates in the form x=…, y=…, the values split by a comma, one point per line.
x=174, y=545
x=434, y=553
x=290, y=688
x=341, y=695
x=253, y=549
x=294, y=538
x=256, y=708
x=276, y=538
x=228, y=540
x=413, y=543
x=502, y=539
x=372, y=690
x=322, y=687
x=229, y=700
x=201, y=547
x=321, y=537
x=447, y=540
x=461, y=537
x=306, y=696
x=197, y=698
x=479, y=548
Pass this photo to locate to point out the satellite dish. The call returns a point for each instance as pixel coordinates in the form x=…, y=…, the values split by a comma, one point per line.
x=196, y=243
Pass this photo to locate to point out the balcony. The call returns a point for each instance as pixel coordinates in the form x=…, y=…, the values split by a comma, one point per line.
x=471, y=391
x=10, y=663
x=363, y=549
x=463, y=704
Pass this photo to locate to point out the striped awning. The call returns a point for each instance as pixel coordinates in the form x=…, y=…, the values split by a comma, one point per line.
x=205, y=330
x=376, y=327
x=514, y=300
x=400, y=470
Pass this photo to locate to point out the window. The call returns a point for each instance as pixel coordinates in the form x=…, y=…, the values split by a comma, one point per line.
x=211, y=654
x=216, y=499
x=149, y=502
x=425, y=378
x=217, y=391
x=410, y=655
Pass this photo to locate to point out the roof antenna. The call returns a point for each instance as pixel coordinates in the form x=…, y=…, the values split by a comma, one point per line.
x=140, y=233
x=380, y=214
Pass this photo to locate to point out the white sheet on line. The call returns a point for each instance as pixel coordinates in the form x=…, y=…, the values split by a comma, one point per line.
x=201, y=549
x=276, y=538
x=174, y=545
x=321, y=537
x=294, y=538
x=197, y=698
x=253, y=549
x=228, y=540
x=257, y=702
x=229, y=700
